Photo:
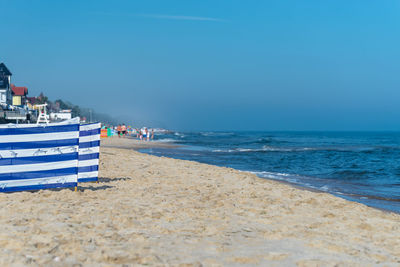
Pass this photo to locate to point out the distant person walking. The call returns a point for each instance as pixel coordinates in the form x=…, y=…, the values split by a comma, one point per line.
x=119, y=130
x=123, y=130
x=147, y=135
x=143, y=134
x=152, y=134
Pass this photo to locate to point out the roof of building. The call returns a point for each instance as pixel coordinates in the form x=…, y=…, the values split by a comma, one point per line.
x=4, y=69
x=19, y=90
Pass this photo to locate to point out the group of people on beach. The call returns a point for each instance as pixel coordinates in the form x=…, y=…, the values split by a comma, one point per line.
x=142, y=134
x=145, y=134
x=122, y=130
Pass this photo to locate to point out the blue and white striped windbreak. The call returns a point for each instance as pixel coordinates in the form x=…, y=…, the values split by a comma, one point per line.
x=89, y=143
x=37, y=157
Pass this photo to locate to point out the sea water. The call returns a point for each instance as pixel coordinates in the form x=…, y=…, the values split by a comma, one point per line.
x=358, y=166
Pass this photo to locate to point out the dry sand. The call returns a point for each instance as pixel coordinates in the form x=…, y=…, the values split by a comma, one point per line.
x=148, y=210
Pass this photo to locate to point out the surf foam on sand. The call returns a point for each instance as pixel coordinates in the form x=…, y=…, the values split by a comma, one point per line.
x=160, y=211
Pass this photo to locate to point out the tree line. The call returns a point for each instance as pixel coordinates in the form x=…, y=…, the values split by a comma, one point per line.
x=76, y=110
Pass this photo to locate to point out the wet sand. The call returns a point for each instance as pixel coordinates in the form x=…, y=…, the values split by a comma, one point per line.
x=149, y=210
x=129, y=143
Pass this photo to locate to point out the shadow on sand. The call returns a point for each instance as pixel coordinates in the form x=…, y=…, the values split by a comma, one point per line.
x=93, y=188
x=109, y=180
x=81, y=186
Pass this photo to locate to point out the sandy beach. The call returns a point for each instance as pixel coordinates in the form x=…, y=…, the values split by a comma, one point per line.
x=149, y=210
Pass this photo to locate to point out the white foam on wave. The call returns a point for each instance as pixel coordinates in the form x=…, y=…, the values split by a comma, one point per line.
x=216, y=134
x=246, y=150
x=225, y=150
x=179, y=134
x=294, y=179
x=277, y=176
x=235, y=150
x=166, y=140
x=263, y=149
x=287, y=149
x=220, y=150
x=324, y=188
x=280, y=149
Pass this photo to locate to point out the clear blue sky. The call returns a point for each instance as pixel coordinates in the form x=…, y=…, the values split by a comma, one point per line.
x=213, y=65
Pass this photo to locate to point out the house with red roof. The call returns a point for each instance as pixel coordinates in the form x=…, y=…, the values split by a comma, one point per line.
x=5, y=81
x=19, y=95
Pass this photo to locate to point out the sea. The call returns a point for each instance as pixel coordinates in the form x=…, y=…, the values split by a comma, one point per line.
x=358, y=166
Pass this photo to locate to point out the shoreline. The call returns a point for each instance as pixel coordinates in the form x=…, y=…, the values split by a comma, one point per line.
x=321, y=191
x=137, y=145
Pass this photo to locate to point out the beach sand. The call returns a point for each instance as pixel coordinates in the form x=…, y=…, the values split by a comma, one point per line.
x=149, y=210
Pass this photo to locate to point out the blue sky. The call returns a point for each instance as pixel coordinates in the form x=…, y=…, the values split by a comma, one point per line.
x=213, y=65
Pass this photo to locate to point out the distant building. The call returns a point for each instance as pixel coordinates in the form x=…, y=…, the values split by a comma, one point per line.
x=5, y=82
x=19, y=95
x=62, y=115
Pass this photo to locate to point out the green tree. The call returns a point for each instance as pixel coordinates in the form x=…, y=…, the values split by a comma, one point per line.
x=62, y=104
x=76, y=111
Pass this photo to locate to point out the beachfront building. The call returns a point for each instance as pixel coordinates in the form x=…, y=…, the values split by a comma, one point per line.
x=62, y=115
x=19, y=95
x=5, y=82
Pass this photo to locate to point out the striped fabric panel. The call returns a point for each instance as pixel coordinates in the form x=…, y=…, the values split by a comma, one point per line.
x=89, y=147
x=36, y=144
x=36, y=157
x=15, y=129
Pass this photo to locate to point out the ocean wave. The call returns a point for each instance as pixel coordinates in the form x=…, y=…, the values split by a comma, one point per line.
x=259, y=141
x=368, y=196
x=291, y=178
x=309, y=182
x=353, y=174
x=263, y=149
x=179, y=134
x=264, y=141
x=266, y=148
x=265, y=173
x=328, y=185
x=166, y=140
x=217, y=133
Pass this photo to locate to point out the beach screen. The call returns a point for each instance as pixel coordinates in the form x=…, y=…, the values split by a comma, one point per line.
x=36, y=157
x=89, y=143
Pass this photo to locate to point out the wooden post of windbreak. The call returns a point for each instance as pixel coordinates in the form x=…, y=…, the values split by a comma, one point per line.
x=76, y=188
